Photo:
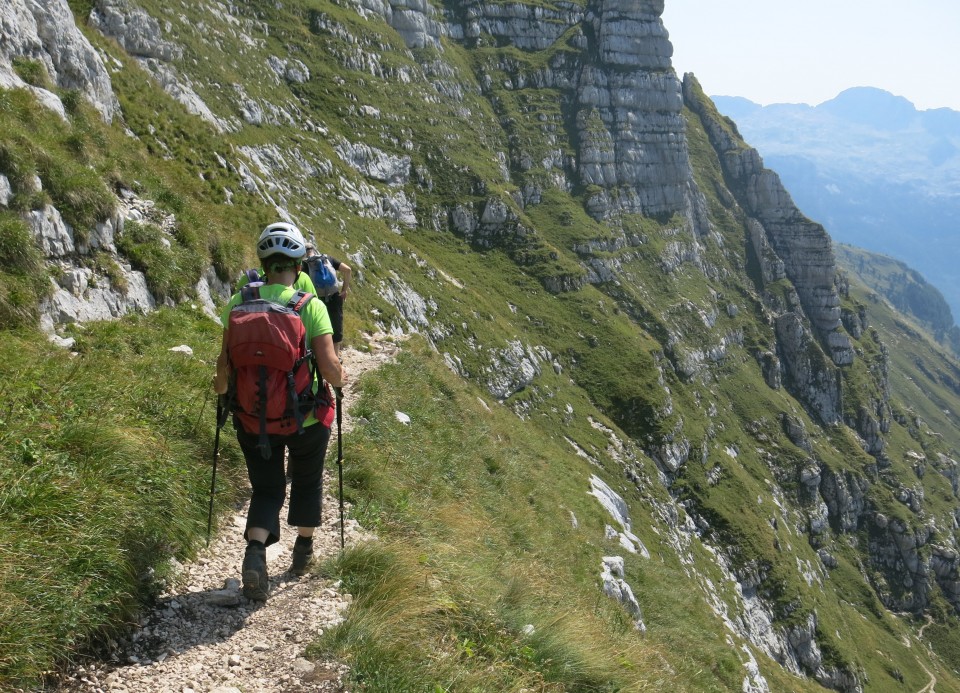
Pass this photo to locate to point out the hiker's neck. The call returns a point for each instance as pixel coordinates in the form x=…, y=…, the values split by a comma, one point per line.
x=286, y=278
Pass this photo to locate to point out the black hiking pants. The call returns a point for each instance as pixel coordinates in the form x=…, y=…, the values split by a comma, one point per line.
x=334, y=304
x=268, y=478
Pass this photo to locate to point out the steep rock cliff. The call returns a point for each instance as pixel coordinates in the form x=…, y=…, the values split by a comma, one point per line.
x=788, y=245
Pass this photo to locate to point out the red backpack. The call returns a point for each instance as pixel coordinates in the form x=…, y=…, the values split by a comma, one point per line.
x=272, y=366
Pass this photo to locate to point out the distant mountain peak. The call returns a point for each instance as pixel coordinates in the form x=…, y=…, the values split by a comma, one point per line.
x=892, y=172
x=871, y=106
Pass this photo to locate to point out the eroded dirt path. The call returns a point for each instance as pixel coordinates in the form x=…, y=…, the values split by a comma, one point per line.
x=203, y=636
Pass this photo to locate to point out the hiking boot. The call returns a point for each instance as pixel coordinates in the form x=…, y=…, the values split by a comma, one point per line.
x=302, y=555
x=256, y=584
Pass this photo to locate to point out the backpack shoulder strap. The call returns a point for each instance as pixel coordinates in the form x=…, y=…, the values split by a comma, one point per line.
x=299, y=300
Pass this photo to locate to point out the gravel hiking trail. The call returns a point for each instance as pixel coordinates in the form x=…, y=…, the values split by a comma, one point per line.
x=203, y=636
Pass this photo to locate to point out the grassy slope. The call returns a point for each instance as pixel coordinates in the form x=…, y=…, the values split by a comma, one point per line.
x=472, y=506
x=477, y=538
x=102, y=478
x=904, y=287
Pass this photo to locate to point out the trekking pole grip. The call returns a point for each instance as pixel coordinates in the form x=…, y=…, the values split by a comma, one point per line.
x=223, y=411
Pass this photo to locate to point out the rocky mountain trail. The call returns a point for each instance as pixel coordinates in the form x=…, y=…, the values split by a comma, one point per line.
x=203, y=636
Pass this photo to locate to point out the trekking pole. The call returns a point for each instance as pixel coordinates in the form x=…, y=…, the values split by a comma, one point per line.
x=221, y=419
x=339, y=391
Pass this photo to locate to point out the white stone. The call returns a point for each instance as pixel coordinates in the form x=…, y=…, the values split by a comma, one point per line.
x=303, y=666
x=134, y=29
x=615, y=587
x=52, y=232
x=6, y=191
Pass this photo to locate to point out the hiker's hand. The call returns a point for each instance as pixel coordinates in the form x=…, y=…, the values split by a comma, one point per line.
x=219, y=382
x=221, y=377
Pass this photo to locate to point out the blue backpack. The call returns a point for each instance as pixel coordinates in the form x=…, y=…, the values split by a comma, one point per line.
x=253, y=277
x=322, y=274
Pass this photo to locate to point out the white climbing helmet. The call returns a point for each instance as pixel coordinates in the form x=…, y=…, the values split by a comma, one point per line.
x=281, y=238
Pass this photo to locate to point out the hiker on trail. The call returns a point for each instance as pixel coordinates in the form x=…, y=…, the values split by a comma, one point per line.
x=261, y=396
x=331, y=289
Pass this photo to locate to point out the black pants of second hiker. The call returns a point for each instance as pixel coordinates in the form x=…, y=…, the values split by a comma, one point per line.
x=268, y=478
x=334, y=306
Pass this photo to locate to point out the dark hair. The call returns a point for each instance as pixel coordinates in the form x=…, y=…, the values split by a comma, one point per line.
x=279, y=262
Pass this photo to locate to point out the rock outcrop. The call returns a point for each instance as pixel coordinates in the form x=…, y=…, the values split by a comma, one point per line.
x=629, y=120
x=414, y=20
x=627, y=100
x=528, y=27
x=811, y=340
x=44, y=30
x=141, y=36
x=814, y=379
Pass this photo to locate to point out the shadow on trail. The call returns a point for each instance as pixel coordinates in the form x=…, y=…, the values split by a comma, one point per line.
x=179, y=622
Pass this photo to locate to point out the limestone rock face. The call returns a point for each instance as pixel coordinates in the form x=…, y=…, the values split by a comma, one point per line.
x=629, y=124
x=796, y=432
x=896, y=550
x=134, y=29
x=803, y=247
x=811, y=376
x=628, y=129
x=945, y=565
x=414, y=20
x=78, y=299
x=951, y=470
x=846, y=498
x=871, y=429
x=629, y=114
x=525, y=26
x=771, y=266
x=80, y=295
x=804, y=650
x=53, y=235
x=293, y=71
x=630, y=34
x=514, y=367
x=45, y=30
x=374, y=163
x=141, y=36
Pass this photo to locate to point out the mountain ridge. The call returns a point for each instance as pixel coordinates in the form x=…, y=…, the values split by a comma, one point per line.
x=881, y=188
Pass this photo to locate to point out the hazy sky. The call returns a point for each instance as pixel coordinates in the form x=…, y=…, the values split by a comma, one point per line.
x=808, y=51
